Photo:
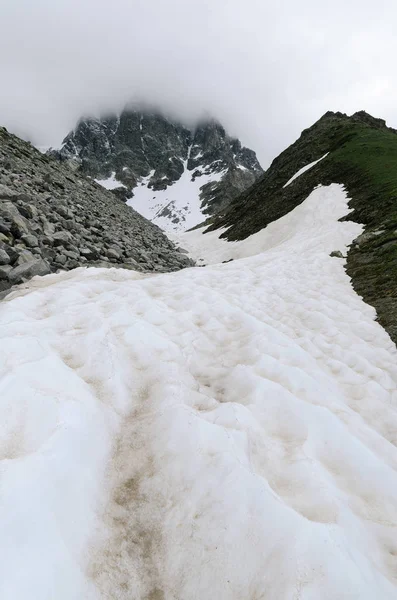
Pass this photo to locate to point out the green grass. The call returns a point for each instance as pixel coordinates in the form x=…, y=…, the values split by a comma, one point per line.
x=371, y=154
x=367, y=165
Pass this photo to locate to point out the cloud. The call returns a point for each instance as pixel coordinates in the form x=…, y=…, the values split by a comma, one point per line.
x=266, y=70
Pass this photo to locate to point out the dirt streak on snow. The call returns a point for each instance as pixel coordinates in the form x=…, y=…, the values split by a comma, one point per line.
x=227, y=432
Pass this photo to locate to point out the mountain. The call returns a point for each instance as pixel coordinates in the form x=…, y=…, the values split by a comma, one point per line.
x=173, y=175
x=360, y=152
x=52, y=218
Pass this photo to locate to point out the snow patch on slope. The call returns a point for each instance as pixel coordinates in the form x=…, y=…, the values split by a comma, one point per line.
x=111, y=183
x=304, y=169
x=255, y=404
x=209, y=248
x=176, y=208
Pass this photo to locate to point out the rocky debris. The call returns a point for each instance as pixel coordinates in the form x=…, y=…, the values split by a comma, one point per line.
x=52, y=218
x=140, y=144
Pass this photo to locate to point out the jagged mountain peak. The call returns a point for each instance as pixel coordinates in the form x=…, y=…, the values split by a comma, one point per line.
x=174, y=174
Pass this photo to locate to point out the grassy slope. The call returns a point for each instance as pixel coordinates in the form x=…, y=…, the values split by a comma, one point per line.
x=363, y=157
x=368, y=165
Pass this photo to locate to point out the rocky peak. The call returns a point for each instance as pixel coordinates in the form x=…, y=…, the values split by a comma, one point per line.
x=145, y=148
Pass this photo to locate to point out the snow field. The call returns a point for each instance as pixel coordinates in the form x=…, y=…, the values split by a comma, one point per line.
x=227, y=432
x=111, y=183
x=182, y=199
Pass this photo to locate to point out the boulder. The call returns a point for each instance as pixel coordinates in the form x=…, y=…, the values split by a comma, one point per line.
x=4, y=271
x=89, y=254
x=112, y=253
x=28, y=270
x=60, y=259
x=29, y=211
x=19, y=226
x=4, y=228
x=12, y=253
x=30, y=240
x=4, y=258
x=64, y=211
x=61, y=237
x=72, y=255
x=24, y=256
x=7, y=193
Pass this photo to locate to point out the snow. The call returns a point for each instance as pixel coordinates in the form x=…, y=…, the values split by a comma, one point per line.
x=304, y=169
x=111, y=183
x=210, y=248
x=176, y=208
x=223, y=432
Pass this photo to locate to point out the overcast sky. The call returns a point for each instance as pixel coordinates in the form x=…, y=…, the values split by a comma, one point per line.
x=265, y=69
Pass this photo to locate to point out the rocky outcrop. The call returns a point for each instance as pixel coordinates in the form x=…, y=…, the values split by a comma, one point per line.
x=143, y=148
x=52, y=218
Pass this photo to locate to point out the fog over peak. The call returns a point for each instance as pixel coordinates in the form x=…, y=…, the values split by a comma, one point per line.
x=265, y=70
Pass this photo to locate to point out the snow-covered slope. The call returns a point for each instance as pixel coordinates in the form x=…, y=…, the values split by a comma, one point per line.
x=178, y=207
x=226, y=432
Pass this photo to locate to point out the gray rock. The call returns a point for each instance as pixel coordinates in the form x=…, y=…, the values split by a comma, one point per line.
x=19, y=226
x=112, y=253
x=133, y=263
x=4, y=271
x=367, y=237
x=28, y=270
x=9, y=210
x=72, y=255
x=72, y=264
x=24, y=256
x=48, y=253
x=29, y=211
x=64, y=211
x=70, y=225
x=4, y=228
x=60, y=259
x=7, y=193
x=48, y=228
x=336, y=254
x=61, y=237
x=89, y=254
x=4, y=258
x=30, y=240
x=12, y=253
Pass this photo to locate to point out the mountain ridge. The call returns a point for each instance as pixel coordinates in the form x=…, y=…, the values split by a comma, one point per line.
x=362, y=155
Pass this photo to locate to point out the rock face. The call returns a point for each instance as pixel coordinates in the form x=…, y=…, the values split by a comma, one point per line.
x=362, y=155
x=53, y=218
x=149, y=161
